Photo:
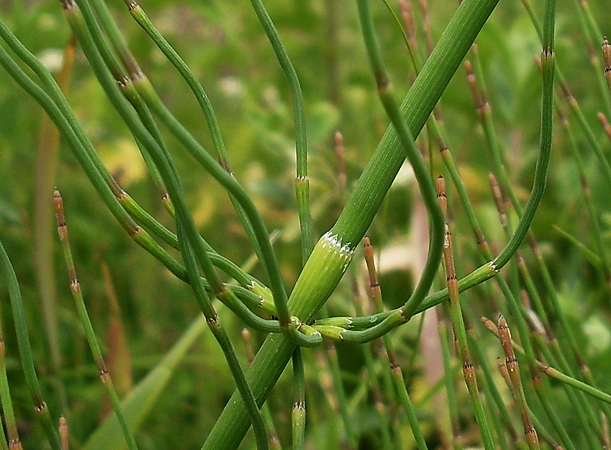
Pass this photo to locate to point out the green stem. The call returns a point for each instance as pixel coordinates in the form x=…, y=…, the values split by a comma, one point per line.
x=302, y=181
x=427, y=189
x=299, y=405
x=168, y=172
x=311, y=291
x=5, y=400
x=222, y=338
x=25, y=350
x=198, y=91
x=77, y=294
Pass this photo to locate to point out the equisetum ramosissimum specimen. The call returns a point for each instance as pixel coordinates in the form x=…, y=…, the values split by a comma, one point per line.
x=374, y=363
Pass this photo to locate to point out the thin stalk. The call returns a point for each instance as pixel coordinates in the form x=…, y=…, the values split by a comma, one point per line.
x=302, y=181
x=25, y=350
x=46, y=163
x=552, y=372
x=382, y=396
x=607, y=57
x=382, y=400
x=64, y=433
x=489, y=386
x=395, y=368
x=427, y=189
x=442, y=328
x=458, y=326
x=536, y=422
x=7, y=404
x=298, y=415
x=593, y=142
x=119, y=64
x=140, y=16
x=484, y=112
x=214, y=323
x=502, y=206
x=592, y=34
x=513, y=369
x=75, y=288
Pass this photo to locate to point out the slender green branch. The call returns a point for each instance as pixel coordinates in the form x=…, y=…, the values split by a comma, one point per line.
x=25, y=350
x=77, y=294
x=223, y=340
x=555, y=373
x=302, y=181
x=459, y=329
x=427, y=189
x=395, y=368
x=513, y=370
x=5, y=400
x=299, y=404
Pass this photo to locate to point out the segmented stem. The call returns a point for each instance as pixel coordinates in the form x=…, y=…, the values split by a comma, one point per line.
x=25, y=350
x=458, y=325
x=75, y=288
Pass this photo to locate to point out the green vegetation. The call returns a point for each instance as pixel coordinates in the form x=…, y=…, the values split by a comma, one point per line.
x=280, y=276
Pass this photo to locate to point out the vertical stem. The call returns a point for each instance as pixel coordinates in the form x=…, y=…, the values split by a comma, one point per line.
x=46, y=162
x=302, y=181
x=513, y=369
x=64, y=433
x=75, y=288
x=25, y=350
x=7, y=404
x=299, y=405
x=458, y=326
x=406, y=140
x=607, y=57
x=397, y=374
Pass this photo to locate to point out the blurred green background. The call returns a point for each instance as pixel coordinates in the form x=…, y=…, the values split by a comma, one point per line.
x=226, y=48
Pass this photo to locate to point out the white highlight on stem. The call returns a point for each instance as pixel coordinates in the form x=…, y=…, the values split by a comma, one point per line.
x=333, y=244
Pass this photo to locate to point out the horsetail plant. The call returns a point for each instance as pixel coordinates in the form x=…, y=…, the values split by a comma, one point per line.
x=297, y=318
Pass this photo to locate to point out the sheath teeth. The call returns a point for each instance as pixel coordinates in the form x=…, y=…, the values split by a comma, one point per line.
x=332, y=243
